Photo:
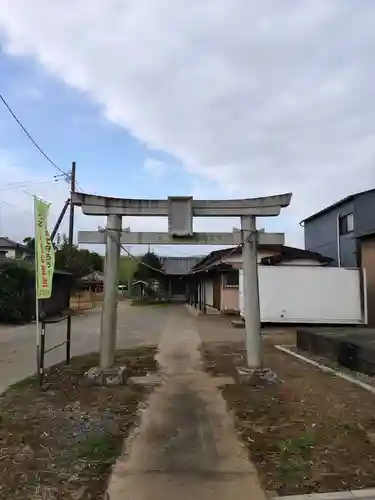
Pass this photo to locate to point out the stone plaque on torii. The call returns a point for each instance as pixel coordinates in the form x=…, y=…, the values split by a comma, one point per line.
x=180, y=211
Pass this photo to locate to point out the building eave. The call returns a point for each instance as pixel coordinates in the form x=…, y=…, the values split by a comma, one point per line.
x=364, y=236
x=350, y=197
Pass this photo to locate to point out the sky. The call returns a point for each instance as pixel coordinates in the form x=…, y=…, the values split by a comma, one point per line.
x=215, y=99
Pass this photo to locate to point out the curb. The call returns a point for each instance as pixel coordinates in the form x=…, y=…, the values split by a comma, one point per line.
x=326, y=369
x=192, y=310
x=368, y=494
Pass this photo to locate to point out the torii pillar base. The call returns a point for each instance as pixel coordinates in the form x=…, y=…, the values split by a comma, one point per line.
x=258, y=377
x=116, y=375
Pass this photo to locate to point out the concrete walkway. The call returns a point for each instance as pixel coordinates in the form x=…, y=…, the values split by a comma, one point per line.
x=186, y=446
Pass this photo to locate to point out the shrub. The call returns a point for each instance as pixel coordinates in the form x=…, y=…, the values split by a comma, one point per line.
x=15, y=281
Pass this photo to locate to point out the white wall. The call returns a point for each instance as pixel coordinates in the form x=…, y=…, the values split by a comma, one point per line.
x=301, y=262
x=209, y=292
x=308, y=294
x=10, y=254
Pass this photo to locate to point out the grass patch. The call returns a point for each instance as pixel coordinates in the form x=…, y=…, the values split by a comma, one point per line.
x=295, y=457
x=103, y=449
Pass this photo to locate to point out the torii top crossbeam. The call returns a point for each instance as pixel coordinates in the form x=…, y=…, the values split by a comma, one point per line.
x=105, y=205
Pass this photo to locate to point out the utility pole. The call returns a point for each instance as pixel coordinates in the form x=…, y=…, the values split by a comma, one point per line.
x=70, y=241
x=251, y=292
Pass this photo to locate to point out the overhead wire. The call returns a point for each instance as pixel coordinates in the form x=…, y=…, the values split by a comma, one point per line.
x=25, y=184
x=139, y=260
x=31, y=138
x=21, y=187
x=80, y=187
x=19, y=209
x=66, y=175
x=230, y=252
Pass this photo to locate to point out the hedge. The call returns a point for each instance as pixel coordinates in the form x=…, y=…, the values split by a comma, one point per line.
x=16, y=282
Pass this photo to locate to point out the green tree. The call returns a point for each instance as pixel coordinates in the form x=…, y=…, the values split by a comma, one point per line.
x=128, y=267
x=149, y=268
x=74, y=260
x=96, y=261
x=29, y=242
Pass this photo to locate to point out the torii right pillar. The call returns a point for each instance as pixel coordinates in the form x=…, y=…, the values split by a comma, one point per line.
x=251, y=293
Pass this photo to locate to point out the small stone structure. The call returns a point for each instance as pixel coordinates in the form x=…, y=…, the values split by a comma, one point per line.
x=258, y=377
x=107, y=376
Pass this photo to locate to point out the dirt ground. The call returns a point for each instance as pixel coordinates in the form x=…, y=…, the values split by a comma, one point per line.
x=60, y=443
x=308, y=432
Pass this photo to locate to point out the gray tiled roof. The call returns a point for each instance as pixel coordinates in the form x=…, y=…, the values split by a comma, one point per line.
x=7, y=243
x=178, y=265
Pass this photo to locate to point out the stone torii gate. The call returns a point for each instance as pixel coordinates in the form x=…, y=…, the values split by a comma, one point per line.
x=180, y=212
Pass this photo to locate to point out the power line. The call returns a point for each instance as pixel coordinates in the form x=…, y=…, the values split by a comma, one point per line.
x=25, y=184
x=29, y=181
x=104, y=230
x=19, y=209
x=230, y=252
x=31, y=138
x=41, y=151
x=80, y=187
x=140, y=261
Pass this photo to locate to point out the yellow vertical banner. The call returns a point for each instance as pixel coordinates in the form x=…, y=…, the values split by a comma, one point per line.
x=44, y=252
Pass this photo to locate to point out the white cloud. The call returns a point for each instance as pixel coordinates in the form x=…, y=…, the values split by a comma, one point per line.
x=156, y=168
x=255, y=97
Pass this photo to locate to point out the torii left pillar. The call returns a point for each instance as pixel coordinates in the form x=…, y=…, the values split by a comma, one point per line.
x=111, y=277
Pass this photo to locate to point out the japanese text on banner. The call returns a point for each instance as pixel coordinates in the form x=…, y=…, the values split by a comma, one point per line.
x=44, y=252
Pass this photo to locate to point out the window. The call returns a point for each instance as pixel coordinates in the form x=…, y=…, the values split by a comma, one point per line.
x=231, y=279
x=346, y=223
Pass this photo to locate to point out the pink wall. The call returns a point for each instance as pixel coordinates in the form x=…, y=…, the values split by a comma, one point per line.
x=230, y=299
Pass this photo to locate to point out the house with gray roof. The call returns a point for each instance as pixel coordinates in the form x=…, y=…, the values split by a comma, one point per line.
x=176, y=269
x=10, y=249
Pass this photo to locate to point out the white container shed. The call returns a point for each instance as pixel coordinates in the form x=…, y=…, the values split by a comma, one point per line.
x=310, y=294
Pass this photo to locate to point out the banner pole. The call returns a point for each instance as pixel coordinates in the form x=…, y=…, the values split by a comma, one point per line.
x=36, y=294
x=42, y=351
x=70, y=241
x=44, y=268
